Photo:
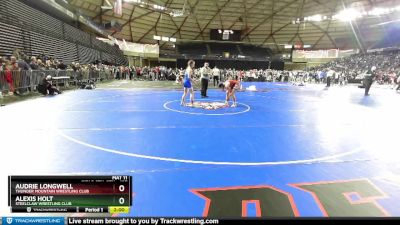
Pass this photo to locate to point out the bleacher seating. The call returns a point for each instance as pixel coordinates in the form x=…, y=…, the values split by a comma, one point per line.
x=254, y=51
x=10, y=38
x=88, y=55
x=35, y=32
x=28, y=18
x=76, y=35
x=193, y=49
x=57, y=48
x=220, y=48
x=217, y=50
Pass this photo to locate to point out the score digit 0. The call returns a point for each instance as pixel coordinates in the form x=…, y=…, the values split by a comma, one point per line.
x=121, y=201
x=121, y=188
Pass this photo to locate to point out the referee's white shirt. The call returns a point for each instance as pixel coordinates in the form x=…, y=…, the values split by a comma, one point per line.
x=205, y=73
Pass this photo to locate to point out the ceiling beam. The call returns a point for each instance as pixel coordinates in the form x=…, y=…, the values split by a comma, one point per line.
x=268, y=18
x=291, y=40
x=133, y=19
x=130, y=25
x=276, y=31
x=325, y=6
x=318, y=40
x=101, y=12
x=245, y=18
x=245, y=14
x=301, y=40
x=298, y=26
x=155, y=25
x=166, y=5
x=197, y=21
x=151, y=29
x=276, y=45
x=180, y=27
x=217, y=13
x=171, y=18
x=325, y=32
x=272, y=26
x=272, y=12
x=220, y=18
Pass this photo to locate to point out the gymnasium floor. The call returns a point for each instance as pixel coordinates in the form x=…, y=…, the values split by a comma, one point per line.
x=284, y=151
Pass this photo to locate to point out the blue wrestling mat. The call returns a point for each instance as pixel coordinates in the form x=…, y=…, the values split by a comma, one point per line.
x=283, y=151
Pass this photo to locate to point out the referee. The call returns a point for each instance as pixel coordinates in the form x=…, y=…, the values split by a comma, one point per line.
x=205, y=73
x=369, y=79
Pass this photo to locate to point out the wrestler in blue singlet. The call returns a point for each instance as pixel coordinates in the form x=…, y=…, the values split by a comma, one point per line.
x=186, y=81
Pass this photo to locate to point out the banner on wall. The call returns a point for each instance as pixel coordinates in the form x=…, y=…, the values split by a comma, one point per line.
x=143, y=50
x=321, y=55
x=309, y=54
x=118, y=7
x=134, y=49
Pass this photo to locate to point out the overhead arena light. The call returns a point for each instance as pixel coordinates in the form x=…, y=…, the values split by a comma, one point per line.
x=347, y=15
x=134, y=1
x=306, y=46
x=158, y=7
x=288, y=46
x=172, y=39
x=378, y=11
x=155, y=37
x=177, y=13
x=226, y=31
x=165, y=38
x=315, y=18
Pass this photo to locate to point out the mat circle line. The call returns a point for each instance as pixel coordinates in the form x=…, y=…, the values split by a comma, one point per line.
x=189, y=161
x=206, y=114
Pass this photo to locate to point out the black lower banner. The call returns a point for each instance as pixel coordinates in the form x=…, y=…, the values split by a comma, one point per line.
x=205, y=221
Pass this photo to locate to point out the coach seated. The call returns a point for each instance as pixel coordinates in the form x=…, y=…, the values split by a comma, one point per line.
x=46, y=87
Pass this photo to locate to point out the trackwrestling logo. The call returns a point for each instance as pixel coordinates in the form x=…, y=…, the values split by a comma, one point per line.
x=34, y=220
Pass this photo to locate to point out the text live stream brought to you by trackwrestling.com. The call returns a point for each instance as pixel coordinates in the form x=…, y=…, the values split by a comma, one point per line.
x=186, y=220
x=104, y=221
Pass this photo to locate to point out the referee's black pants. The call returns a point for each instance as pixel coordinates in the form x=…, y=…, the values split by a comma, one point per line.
x=367, y=84
x=204, y=87
x=328, y=81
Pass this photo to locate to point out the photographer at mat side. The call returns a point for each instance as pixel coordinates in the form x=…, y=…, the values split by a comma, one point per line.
x=46, y=86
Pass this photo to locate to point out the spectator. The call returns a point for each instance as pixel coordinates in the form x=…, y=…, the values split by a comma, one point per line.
x=23, y=65
x=7, y=67
x=34, y=63
x=40, y=64
x=61, y=65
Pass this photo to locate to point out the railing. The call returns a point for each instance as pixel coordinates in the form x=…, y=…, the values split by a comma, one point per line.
x=30, y=79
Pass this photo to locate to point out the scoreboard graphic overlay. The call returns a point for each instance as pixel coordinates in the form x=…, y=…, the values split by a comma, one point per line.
x=55, y=194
